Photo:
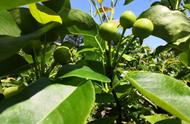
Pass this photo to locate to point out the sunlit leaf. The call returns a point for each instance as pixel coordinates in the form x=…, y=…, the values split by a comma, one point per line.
x=10, y=4
x=46, y=103
x=8, y=25
x=87, y=73
x=171, y=26
x=43, y=14
x=168, y=93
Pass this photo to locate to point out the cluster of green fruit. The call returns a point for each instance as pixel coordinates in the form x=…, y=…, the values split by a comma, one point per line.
x=141, y=28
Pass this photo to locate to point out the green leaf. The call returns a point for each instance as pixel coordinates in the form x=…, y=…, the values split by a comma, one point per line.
x=10, y=45
x=187, y=6
x=128, y=57
x=155, y=118
x=58, y=5
x=105, y=98
x=8, y=25
x=108, y=120
x=128, y=1
x=43, y=14
x=46, y=103
x=87, y=73
x=24, y=20
x=185, y=57
x=79, y=23
x=170, y=94
x=10, y=4
x=171, y=26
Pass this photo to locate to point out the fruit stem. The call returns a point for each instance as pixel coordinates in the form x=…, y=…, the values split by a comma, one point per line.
x=98, y=11
x=51, y=68
x=171, y=4
x=113, y=9
x=107, y=19
x=110, y=74
x=118, y=46
x=126, y=47
x=35, y=66
x=43, y=57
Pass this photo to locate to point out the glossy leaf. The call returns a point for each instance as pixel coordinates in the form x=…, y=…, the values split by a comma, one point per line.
x=177, y=31
x=170, y=94
x=10, y=45
x=86, y=73
x=43, y=14
x=47, y=103
x=8, y=25
x=10, y=4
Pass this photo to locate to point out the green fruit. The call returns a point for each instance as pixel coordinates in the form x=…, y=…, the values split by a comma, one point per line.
x=11, y=91
x=33, y=47
x=68, y=44
x=142, y=28
x=62, y=55
x=108, y=31
x=127, y=19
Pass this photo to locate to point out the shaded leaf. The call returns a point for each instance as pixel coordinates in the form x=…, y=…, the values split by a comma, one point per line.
x=43, y=14
x=87, y=73
x=13, y=65
x=10, y=4
x=108, y=120
x=185, y=57
x=168, y=93
x=127, y=2
x=10, y=45
x=23, y=15
x=104, y=98
x=58, y=5
x=152, y=119
x=170, y=121
x=46, y=103
x=8, y=25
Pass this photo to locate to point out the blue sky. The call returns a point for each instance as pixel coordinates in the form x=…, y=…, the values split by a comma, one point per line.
x=137, y=6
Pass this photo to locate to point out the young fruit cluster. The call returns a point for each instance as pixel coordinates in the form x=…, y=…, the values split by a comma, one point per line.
x=141, y=28
x=62, y=55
